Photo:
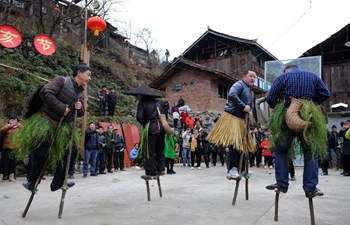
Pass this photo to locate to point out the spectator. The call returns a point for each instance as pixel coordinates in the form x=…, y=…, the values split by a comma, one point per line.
x=112, y=101
x=181, y=102
x=175, y=114
x=183, y=117
x=189, y=122
x=8, y=163
x=186, y=156
x=208, y=122
x=101, y=150
x=170, y=142
x=166, y=107
x=119, y=146
x=217, y=118
x=346, y=149
x=91, y=150
x=135, y=157
x=333, y=144
x=197, y=126
x=197, y=119
x=194, y=147
x=103, y=96
x=203, y=148
x=266, y=152
x=109, y=148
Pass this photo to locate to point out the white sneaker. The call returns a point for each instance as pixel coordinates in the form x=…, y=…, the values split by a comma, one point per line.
x=199, y=168
x=192, y=168
x=137, y=168
x=233, y=173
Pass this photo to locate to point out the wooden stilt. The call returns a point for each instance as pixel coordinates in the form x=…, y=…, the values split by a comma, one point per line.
x=159, y=187
x=147, y=179
x=276, y=206
x=247, y=178
x=312, y=214
x=65, y=188
x=237, y=179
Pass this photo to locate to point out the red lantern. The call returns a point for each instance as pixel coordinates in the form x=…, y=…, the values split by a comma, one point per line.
x=56, y=9
x=96, y=24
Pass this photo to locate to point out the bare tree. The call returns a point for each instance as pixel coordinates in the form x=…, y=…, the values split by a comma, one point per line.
x=144, y=37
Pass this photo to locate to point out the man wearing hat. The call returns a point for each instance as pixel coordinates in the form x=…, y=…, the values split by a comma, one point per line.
x=8, y=164
x=152, y=142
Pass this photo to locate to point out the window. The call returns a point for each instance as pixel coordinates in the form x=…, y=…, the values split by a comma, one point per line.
x=223, y=91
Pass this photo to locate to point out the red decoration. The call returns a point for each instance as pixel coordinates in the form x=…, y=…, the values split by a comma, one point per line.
x=96, y=24
x=44, y=44
x=57, y=10
x=9, y=36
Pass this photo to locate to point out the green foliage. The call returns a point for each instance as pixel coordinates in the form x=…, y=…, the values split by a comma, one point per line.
x=30, y=136
x=12, y=84
x=315, y=135
x=35, y=61
x=143, y=145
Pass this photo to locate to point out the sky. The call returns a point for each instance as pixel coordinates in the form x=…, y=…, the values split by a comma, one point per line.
x=285, y=28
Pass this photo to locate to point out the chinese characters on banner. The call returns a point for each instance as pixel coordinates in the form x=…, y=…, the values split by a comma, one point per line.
x=44, y=44
x=11, y=38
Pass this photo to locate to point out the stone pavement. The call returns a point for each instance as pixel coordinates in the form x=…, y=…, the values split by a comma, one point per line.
x=189, y=197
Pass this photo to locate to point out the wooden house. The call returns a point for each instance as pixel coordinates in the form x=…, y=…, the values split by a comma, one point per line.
x=206, y=70
x=335, y=53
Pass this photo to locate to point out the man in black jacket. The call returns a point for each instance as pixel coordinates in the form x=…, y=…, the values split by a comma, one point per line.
x=91, y=150
x=112, y=101
x=118, y=145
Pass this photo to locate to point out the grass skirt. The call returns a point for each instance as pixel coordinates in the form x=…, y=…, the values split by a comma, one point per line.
x=231, y=130
x=38, y=129
x=314, y=136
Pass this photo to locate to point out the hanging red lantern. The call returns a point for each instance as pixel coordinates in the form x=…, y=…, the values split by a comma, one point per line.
x=56, y=9
x=96, y=24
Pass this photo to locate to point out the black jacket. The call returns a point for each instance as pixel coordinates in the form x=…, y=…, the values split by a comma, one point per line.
x=147, y=112
x=90, y=137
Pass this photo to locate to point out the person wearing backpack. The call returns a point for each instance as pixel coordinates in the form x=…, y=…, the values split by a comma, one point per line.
x=7, y=163
x=112, y=101
x=38, y=135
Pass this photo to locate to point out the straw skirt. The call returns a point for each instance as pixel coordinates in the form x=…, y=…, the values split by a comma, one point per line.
x=231, y=130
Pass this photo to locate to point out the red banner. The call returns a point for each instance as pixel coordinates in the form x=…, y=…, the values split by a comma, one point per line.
x=44, y=44
x=9, y=36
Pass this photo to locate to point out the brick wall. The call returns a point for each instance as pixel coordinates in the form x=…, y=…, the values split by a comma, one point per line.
x=198, y=91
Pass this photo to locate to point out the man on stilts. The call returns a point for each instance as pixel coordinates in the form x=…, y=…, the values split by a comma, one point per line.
x=231, y=129
x=46, y=134
x=295, y=96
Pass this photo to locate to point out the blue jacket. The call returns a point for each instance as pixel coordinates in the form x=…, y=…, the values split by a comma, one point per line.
x=239, y=96
x=133, y=153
